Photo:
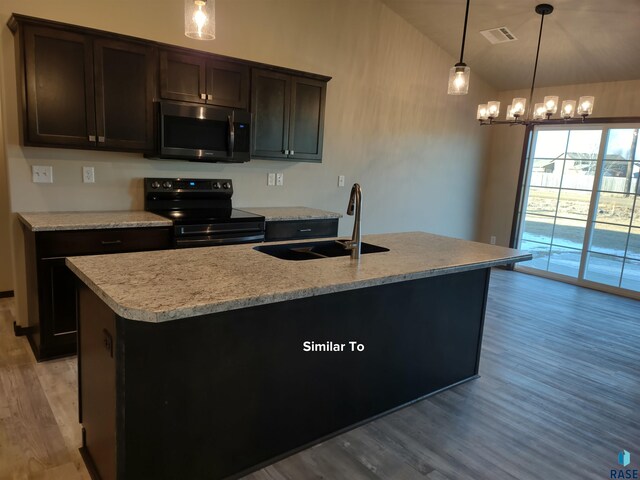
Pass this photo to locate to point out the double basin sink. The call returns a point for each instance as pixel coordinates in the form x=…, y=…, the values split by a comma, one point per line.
x=315, y=250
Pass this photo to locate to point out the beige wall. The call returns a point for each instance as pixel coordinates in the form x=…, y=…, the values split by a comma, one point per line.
x=417, y=152
x=613, y=99
x=6, y=266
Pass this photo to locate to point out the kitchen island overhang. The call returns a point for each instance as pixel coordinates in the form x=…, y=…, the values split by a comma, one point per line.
x=222, y=393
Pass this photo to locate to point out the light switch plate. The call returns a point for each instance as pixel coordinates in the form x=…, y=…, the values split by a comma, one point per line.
x=279, y=179
x=271, y=179
x=42, y=174
x=341, y=180
x=88, y=175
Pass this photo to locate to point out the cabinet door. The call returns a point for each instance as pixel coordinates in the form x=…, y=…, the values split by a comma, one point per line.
x=182, y=77
x=270, y=103
x=59, y=88
x=227, y=84
x=307, y=118
x=124, y=84
x=57, y=308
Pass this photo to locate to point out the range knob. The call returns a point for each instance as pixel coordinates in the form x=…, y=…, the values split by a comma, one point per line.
x=216, y=185
x=155, y=185
x=167, y=184
x=226, y=185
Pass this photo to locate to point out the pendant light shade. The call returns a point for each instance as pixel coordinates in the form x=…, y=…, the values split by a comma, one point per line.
x=459, y=74
x=200, y=19
x=459, y=80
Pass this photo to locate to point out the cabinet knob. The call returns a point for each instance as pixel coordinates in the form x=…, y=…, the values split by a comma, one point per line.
x=92, y=138
x=286, y=152
x=292, y=152
x=203, y=96
x=209, y=97
x=101, y=139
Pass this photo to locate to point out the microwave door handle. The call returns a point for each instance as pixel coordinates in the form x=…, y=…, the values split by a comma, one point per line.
x=232, y=135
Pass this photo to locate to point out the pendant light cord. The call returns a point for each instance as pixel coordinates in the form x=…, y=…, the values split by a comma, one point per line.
x=464, y=32
x=535, y=67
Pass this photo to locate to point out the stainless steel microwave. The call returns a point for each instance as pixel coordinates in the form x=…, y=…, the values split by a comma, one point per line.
x=204, y=133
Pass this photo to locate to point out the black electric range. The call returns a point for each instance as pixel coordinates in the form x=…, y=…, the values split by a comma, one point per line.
x=201, y=211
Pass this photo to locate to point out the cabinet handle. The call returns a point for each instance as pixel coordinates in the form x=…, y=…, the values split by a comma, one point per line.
x=203, y=96
x=92, y=138
x=111, y=242
x=101, y=139
x=304, y=230
x=209, y=97
x=286, y=152
x=292, y=152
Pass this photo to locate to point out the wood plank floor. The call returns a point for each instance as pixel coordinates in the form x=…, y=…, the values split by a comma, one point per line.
x=558, y=397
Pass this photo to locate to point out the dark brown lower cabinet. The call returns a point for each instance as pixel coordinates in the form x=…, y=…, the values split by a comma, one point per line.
x=301, y=229
x=220, y=395
x=51, y=290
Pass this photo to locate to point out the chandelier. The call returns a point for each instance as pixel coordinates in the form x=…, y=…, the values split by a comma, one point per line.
x=541, y=112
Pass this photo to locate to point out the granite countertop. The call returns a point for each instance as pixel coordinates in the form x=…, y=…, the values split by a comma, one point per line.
x=51, y=221
x=277, y=214
x=171, y=284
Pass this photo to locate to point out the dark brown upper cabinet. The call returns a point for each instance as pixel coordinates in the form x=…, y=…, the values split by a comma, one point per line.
x=288, y=116
x=60, y=107
x=196, y=78
x=87, y=92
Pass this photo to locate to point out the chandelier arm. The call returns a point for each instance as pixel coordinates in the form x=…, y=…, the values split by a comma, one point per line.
x=464, y=32
x=535, y=66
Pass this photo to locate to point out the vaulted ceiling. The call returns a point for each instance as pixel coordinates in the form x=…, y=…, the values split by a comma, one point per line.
x=583, y=41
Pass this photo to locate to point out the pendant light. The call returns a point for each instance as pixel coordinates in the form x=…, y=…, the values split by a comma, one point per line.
x=200, y=19
x=459, y=74
x=539, y=112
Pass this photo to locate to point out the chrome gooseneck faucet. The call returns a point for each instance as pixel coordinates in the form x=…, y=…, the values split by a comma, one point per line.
x=355, y=206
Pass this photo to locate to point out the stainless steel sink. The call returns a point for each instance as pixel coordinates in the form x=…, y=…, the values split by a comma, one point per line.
x=314, y=250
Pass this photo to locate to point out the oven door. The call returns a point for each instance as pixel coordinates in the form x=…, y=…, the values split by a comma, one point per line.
x=187, y=236
x=204, y=133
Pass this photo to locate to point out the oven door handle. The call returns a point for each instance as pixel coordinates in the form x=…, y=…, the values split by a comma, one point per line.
x=232, y=135
x=199, y=242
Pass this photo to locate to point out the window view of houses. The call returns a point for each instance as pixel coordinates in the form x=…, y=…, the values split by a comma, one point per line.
x=582, y=216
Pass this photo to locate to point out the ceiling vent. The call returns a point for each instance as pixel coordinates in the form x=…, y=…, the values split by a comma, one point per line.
x=499, y=35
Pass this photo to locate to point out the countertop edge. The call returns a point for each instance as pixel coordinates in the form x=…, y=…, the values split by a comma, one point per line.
x=160, y=222
x=312, y=214
x=159, y=317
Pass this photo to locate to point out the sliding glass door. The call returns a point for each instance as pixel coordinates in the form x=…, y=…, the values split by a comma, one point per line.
x=581, y=208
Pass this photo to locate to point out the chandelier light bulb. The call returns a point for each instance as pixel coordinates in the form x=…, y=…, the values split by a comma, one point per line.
x=510, y=113
x=539, y=111
x=482, y=114
x=568, y=109
x=585, y=106
x=493, y=109
x=518, y=107
x=551, y=104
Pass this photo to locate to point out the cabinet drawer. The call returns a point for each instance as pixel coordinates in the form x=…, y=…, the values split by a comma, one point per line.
x=298, y=229
x=94, y=242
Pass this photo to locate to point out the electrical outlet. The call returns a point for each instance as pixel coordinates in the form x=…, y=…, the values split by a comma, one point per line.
x=88, y=175
x=271, y=179
x=492, y=240
x=279, y=179
x=42, y=174
x=341, y=180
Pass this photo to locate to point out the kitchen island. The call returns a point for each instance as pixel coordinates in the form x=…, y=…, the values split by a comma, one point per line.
x=210, y=363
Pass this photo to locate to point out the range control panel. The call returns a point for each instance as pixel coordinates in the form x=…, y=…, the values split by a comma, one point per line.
x=169, y=185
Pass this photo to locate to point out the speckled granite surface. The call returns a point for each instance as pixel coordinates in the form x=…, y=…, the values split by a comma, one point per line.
x=172, y=284
x=275, y=214
x=51, y=221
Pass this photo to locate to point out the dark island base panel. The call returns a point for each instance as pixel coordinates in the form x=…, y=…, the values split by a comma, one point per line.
x=221, y=395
